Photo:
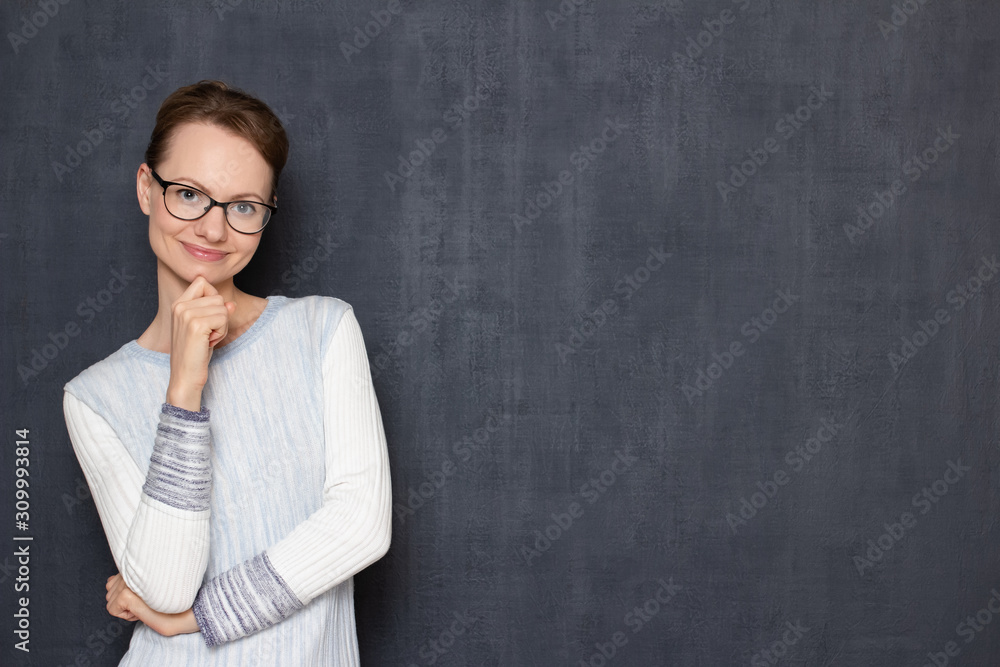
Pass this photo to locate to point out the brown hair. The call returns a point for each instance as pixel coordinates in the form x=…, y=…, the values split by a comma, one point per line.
x=231, y=109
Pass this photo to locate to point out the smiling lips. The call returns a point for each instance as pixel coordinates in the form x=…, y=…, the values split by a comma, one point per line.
x=203, y=254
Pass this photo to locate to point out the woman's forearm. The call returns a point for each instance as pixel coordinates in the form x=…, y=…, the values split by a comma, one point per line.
x=169, y=625
x=156, y=520
x=186, y=622
x=166, y=560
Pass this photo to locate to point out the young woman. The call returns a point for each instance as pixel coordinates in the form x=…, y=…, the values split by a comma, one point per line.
x=235, y=449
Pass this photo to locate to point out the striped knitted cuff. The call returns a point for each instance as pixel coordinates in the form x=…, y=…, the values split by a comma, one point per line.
x=180, y=470
x=243, y=600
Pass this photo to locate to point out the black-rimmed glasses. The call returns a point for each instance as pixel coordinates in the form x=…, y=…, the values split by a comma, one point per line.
x=189, y=203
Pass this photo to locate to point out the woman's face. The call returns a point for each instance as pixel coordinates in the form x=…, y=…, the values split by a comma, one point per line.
x=227, y=168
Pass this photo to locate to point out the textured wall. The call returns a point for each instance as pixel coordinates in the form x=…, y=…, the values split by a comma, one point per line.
x=682, y=315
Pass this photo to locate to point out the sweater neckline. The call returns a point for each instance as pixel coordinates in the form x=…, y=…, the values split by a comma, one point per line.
x=274, y=302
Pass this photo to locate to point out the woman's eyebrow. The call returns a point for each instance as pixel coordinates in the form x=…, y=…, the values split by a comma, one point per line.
x=201, y=187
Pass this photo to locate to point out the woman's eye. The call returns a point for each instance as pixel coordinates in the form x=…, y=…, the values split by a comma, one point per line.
x=245, y=208
x=189, y=195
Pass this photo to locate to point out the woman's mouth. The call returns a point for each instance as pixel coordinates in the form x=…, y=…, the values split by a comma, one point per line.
x=203, y=254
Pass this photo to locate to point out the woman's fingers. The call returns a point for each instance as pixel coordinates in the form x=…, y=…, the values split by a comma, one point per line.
x=200, y=321
x=206, y=315
x=205, y=307
x=125, y=604
x=198, y=287
x=113, y=586
x=201, y=287
x=119, y=598
x=184, y=310
x=219, y=332
x=207, y=287
x=189, y=311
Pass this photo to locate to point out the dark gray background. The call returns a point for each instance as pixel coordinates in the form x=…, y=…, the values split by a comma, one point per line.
x=548, y=87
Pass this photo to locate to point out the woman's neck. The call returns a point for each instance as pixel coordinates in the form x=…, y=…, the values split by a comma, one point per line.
x=170, y=287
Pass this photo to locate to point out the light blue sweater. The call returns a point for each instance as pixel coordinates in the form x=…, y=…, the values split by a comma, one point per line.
x=258, y=510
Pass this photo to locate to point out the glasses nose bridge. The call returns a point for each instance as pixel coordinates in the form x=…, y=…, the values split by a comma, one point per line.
x=223, y=205
x=208, y=211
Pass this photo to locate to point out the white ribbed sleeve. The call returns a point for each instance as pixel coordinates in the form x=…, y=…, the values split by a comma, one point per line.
x=161, y=549
x=353, y=528
x=349, y=532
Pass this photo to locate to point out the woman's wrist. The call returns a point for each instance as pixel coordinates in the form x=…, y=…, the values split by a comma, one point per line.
x=186, y=398
x=186, y=623
x=169, y=625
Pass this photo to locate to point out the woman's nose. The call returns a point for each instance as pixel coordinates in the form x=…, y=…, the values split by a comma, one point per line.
x=213, y=225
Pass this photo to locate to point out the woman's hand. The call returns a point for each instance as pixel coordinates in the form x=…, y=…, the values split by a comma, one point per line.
x=123, y=603
x=199, y=320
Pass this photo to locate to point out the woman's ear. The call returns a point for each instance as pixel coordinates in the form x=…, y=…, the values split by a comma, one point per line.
x=143, y=184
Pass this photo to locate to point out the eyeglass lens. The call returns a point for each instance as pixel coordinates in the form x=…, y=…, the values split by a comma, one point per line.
x=188, y=204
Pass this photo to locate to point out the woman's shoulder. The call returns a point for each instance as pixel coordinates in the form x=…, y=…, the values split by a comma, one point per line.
x=313, y=304
x=102, y=374
x=319, y=312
